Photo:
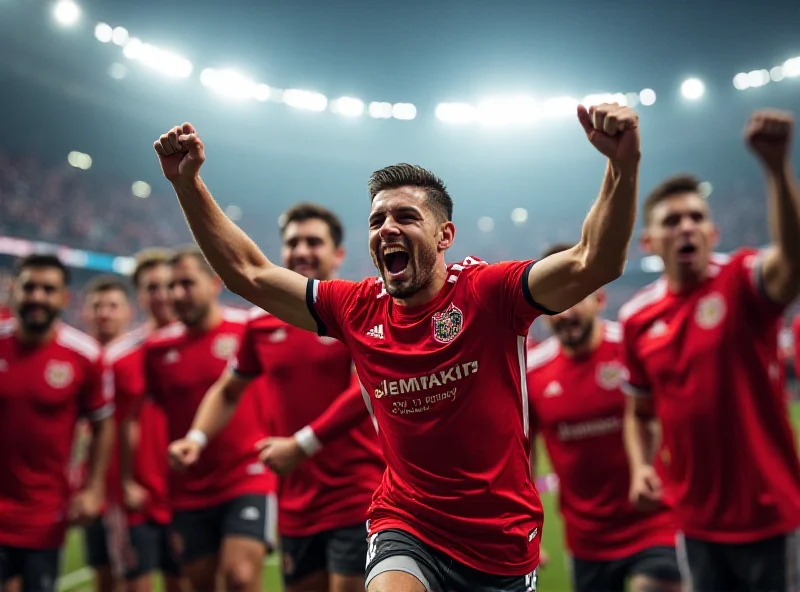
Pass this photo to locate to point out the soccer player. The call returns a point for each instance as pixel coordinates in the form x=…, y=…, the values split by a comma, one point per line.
x=143, y=434
x=440, y=353
x=323, y=504
x=701, y=347
x=224, y=504
x=574, y=385
x=50, y=375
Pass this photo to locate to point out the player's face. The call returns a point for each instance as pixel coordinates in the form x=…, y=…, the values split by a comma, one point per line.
x=154, y=295
x=405, y=240
x=573, y=327
x=107, y=313
x=39, y=297
x=682, y=234
x=193, y=291
x=308, y=249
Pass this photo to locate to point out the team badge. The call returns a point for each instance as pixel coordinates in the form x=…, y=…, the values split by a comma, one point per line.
x=710, y=311
x=224, y=346
x=447, y=324
x=611, y=375
x=58, y=374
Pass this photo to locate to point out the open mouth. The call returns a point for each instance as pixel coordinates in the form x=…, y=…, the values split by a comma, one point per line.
x=396, y=260
x=686, y=252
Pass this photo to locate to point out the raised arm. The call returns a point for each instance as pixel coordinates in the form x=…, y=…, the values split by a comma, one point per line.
x=769, y=135
x=242, y=266
x=564, y=279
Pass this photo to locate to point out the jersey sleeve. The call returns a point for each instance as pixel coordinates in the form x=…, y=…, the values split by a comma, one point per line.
x=330, y=302
x=503, y=288
x=246, y=363
x=748, y=267
x=97, y=396
x=345, y=413
x=636, y=384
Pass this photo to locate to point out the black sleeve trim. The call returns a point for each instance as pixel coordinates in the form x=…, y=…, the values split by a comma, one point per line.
x=526, y=291
x=322, y=330
x=246, y=375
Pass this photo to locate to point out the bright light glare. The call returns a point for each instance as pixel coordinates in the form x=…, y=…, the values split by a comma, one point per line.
x=776, y=73
x=164, y=61
x=117, y=71
x=757, y=78
x=141, y=189
x=791, y=68
x=66, y=12
x=120, y=36
x=519, y=216
x=132, y=48
x=631, y=99
x=741, y=81
x=404, y=111
x=600, y=98
x=79, y=160
x=455, y=112
x=349, y=107
x=234, y=212
x=647, y=97
x=380, y=110
x=485, y=224
x=229, y=84
x=559, y=107
x=519, y=110
x=103, y=32
x=705, y=188
x=305, y=99
x=693, y=89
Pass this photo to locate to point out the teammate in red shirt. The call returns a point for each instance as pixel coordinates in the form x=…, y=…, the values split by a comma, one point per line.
x=574, y=384
x=440, y=353
x=223, y=504
x=323, y=504
x=50, y=375
x=701, y=346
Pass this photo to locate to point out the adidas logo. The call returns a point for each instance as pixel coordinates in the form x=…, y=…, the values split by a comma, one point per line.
x=376, y=332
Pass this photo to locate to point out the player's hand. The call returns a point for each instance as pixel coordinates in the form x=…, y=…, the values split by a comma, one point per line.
x=646, y=489
x=184, y=453
x=769, y=136
x=135, y=496
x=544, y=558
x=613, y=130
x=84, y=507
x=281, y=455
x=181, y=153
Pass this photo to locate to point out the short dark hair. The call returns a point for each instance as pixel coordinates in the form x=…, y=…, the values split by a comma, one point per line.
x=555, y=248
x=401, y=175
x=147, y=259
x=675, y=185
x=108, y=283
x=41, y=260
x=310, y=211
x=192, y=251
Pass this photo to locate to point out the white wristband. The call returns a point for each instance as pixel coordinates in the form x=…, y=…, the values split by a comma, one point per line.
x=307, y=441
x=198, y=437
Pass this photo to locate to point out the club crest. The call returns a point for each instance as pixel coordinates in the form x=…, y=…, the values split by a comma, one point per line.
x=447, y=324
x=224, y=346
x=611, y=375
x=710, y=311
x=58, y=374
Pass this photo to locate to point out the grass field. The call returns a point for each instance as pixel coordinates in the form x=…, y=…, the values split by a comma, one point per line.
x=553, y=578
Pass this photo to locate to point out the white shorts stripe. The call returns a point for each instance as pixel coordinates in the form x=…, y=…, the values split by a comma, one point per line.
x=271, y=521
x=683, y=557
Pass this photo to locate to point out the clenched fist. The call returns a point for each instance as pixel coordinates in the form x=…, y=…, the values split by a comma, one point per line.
x=769, y=136
x=281, y=455
x=181, y=153
x=613, y=130
x=184, y=453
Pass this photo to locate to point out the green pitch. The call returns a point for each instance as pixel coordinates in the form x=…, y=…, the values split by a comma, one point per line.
x=553, y=578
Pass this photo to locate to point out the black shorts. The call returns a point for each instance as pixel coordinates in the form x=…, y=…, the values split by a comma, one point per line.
x=38, y=568
x=395, y=550
x=340, y=551
x=150, y=550
x=200, y=532
x=769, y=565
x=105, y=540
x=658, y=563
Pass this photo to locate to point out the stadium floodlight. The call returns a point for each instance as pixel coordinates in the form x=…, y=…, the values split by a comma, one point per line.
x=519, y=216
x=692, y=89
x=485, y=224
x=517, y=110
x=305, y=99
x=647, y=97
x=455, y=112
x=600, y=98
x=559, y=107
x=757, y=78
x=103, y=32
x=163, y=61
x=741, y=81
x=141, y=189
x=348, y=107
x=120, y=36
x=66, y=12
x=229, y=83
x=791, y=68
x=262, y=92
x=404, y=111
x=380, y=110
x=79, y=160
x=234, y=212
x=631, y=99
x=776, y=73
x=132, y=48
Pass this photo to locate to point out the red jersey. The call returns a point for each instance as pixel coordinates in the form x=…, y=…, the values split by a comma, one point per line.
x=125, y=356
x=44, y=389
x=180, y=367
x=305, y=375
x=446, y=383
x=578, y=406
x=709, y=358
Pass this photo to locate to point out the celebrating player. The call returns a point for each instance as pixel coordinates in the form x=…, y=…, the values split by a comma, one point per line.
x=701, y=346
x=574, y=384
x=440, y=352
x=143, y=434
x=323, y=504
x=222, y=504
x=50, y=374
